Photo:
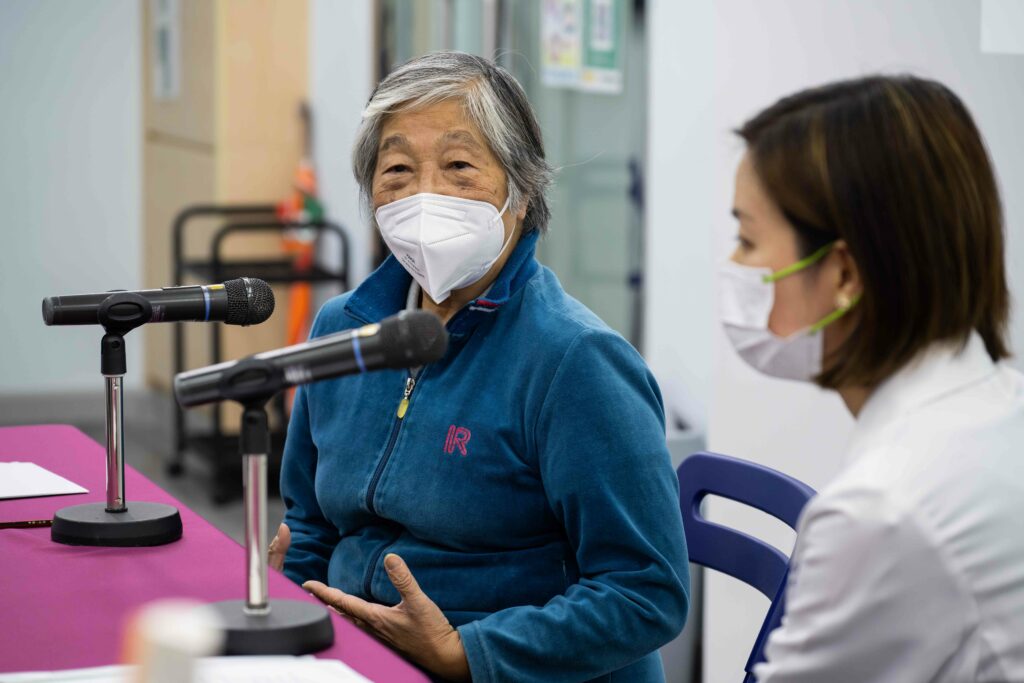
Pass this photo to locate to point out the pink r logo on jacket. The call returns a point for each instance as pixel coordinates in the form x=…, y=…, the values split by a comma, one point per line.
x=458, y=437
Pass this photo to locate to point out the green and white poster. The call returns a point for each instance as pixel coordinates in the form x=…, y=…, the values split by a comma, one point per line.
x=601, y=69
x=582, y=45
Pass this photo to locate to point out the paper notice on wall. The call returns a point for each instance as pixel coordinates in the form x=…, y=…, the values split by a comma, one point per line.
x=165, y=18
x=582, y=45
x=1002, y=26
x=561, y=35
x=602, y=46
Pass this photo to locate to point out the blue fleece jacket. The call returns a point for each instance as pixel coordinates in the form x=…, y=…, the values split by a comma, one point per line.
x=527, y=486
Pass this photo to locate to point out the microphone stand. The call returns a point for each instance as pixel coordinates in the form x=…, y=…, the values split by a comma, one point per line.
x=258, y=625
x=116, y=523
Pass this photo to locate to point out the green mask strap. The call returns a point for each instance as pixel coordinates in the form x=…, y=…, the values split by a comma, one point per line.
x=806, y=263
x=800, y=265
x=833, y=316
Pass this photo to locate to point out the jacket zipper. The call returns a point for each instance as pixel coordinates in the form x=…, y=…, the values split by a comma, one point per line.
x=403, y=408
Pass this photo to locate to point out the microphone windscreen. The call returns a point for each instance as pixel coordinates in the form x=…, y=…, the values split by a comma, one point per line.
x=250, y=301
x=412, y=338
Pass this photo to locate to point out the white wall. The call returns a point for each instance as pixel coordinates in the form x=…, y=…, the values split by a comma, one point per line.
x=341, y=80
x=70, y=185
x=69, y=181
x=713, y=63
x=681, y=152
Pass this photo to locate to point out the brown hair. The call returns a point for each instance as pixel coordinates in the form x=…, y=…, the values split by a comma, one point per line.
x=896, y=168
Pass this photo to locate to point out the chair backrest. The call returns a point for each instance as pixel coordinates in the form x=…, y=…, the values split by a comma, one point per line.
x=733, y=552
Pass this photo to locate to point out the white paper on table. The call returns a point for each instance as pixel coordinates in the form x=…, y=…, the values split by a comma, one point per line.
x=276, y=670
x=99, y=674
x=29, y=480
x=215, y=670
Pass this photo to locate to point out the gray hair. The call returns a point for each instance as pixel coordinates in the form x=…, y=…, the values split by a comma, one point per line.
x=493, y=100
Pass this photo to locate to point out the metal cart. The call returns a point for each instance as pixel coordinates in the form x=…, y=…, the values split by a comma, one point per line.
x=209, y=442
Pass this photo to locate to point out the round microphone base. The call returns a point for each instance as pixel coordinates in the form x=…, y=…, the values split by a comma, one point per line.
x=142, y=524
x=290, y=628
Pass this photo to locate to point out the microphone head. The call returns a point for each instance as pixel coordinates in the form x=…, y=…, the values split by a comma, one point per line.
x=412, y=338
x=250, y=301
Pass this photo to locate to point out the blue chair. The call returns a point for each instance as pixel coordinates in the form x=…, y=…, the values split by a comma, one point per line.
x=733, y=552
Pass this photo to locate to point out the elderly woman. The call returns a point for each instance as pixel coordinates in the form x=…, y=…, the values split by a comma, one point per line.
x=508, y=512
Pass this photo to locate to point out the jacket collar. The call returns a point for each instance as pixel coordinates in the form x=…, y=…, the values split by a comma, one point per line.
x=384, y=292
x=940, y=370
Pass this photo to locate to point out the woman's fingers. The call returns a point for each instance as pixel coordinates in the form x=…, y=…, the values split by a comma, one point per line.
x=416, y=626
x=404, y=582
x=349, y=605
x=279, y=546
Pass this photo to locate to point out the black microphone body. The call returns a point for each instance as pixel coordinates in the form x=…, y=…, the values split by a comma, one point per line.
x=244, y=301
x=406, y=340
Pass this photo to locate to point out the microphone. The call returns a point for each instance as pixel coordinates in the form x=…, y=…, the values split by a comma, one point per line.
x=244, y=301
x=409, y=339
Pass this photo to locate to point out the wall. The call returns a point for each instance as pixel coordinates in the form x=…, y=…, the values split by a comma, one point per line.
x=69, y=181
x=714, y=63
x=341, y=59
x=70, y=128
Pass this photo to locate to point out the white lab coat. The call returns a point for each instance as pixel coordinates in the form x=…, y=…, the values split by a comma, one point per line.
x=910, y=565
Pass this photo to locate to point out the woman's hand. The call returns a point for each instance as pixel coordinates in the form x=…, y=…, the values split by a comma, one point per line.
x=279, y=546
x=415, y=626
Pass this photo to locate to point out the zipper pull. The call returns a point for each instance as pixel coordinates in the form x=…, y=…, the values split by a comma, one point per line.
x=410, y=384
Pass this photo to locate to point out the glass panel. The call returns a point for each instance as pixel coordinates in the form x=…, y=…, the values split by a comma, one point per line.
x=596, y=141
x=410, y=28
x=467, y=26
x=595, y=243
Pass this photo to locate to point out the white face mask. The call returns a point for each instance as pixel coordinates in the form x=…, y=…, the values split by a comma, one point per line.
x=444, y=242
x=747, y=295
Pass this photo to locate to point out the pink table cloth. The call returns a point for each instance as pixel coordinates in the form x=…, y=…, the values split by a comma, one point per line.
x=64, y=607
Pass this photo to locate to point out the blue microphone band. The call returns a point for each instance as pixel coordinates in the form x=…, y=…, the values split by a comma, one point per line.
x=359, y=354
x=206, y=300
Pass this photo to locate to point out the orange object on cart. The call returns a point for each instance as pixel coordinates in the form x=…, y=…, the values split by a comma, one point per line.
x=301, y=208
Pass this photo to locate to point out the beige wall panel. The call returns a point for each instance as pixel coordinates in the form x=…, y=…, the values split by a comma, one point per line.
x=262, y=79
x=190, y=117
x=174, y=177
x=233, y=136
x=262, y=71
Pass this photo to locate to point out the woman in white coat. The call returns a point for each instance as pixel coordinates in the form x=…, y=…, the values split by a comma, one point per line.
x=870, y=261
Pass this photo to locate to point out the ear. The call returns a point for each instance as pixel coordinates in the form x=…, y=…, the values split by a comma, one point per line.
x=521, y=213
x=849, y=285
